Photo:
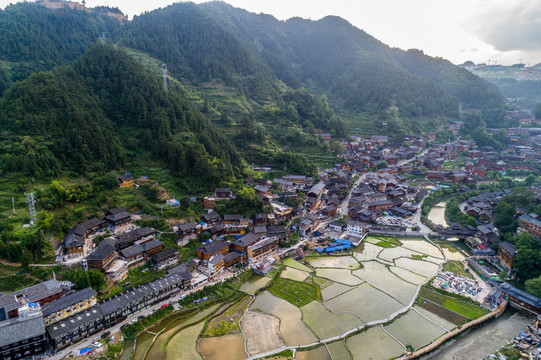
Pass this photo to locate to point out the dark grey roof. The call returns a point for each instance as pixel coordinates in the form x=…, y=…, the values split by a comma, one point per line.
x=33, y=293
x=188, y=226
x=211, y=216
x=246, y=240
x=232, y=217
x=132, y=236
x=217, y=259
x=21, y=329
x=263, y=243
x=104, y=249
x=213, y=247
x=117, y=210
x=73, y=322
x=72, y=239
x=509, y=248
x=152, y=244
x=216, y=229
x=118, y=216
x=232, y=256
x=276, y=230
x=68, y=300
x=91, y=223
x=164, y=254
x=132, y=250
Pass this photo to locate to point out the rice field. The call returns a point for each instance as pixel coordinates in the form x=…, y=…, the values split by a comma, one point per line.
x=365, y=302
x=367, y=251
x=420, y=267
x=254, y=283
x=296, y=265
x=341, y=262
x=319, y=353
x=183, y=344
x=294, y=274
x=374, y=344
x=292, y=329
x=407, y=275
x=324, y=323
x=394, y=253
x=448, y=325
x=261, y=332
x=338, y=350
x=422, y=247
x=228, y=347
x=342, y=276
x=379, y=277
x=334, y=290
x=414, y=330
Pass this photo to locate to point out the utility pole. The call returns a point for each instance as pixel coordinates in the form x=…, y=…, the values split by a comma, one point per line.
x=13, y=202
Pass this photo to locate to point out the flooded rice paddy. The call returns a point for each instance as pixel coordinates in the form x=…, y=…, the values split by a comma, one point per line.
x=294, y=274
x=341, y=276
x=370, y=285
x=293, y=330
x=319, y=353
x=374, y=344
x=339, y=350
x=365, y=302
x=227, y=347
x=414, y=330
x=341, y=262
x=254, y=283
x=334, y=290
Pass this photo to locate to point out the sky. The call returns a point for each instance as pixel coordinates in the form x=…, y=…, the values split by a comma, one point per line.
x=483, y=31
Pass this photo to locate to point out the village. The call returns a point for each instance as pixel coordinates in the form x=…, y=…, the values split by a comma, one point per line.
x=377, y=190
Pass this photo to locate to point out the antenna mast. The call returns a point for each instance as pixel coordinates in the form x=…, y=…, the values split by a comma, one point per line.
x=31, y=201
x=164, y=68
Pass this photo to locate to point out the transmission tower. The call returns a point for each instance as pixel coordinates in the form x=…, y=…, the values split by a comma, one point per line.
x=104, y=37
x=164, y=68
x=31, y=201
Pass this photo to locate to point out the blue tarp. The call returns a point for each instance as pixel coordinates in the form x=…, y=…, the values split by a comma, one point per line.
x=319, y=250
x=238, y=236
x=84, y=351
x=343, y=242
x=337, y=248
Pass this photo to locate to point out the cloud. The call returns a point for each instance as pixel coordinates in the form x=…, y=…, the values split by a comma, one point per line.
x=510, y=25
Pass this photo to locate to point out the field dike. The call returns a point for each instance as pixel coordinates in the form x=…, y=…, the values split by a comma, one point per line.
x=365, y=326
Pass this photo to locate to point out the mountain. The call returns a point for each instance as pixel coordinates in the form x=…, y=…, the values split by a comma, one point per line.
x=332, y=56
x=89, y=115
x=39, y=36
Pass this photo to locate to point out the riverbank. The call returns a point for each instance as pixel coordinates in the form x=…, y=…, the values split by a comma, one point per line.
x=485, y=339
x=434, y=345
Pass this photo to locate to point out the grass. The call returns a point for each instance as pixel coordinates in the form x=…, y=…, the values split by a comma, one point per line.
x=296, y=265
x=297, y=293
x=463, y=306
x=321, y=282
x=228, y=321
x=385, y=244
x=182, y=345
x=383, y=241
x=419, y=257
x=456, y=267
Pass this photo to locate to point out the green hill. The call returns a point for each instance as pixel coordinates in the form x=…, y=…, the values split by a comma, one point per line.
x=89, y=115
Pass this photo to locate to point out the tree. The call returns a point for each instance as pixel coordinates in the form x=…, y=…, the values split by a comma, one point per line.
x=337, y=147
x=534, y=286
x=529, y=180
x=382, y=165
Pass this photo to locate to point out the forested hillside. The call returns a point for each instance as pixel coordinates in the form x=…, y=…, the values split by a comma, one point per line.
x=356, y=70
x=35, y=38
x=87, y=116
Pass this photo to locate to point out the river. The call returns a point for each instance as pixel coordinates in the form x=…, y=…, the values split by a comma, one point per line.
x=437, y=214
x=486, y=339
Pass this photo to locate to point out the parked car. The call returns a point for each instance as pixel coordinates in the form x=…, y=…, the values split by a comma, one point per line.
x=105, y=334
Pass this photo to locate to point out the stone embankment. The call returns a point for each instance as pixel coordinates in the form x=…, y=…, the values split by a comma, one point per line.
x=455, y=332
